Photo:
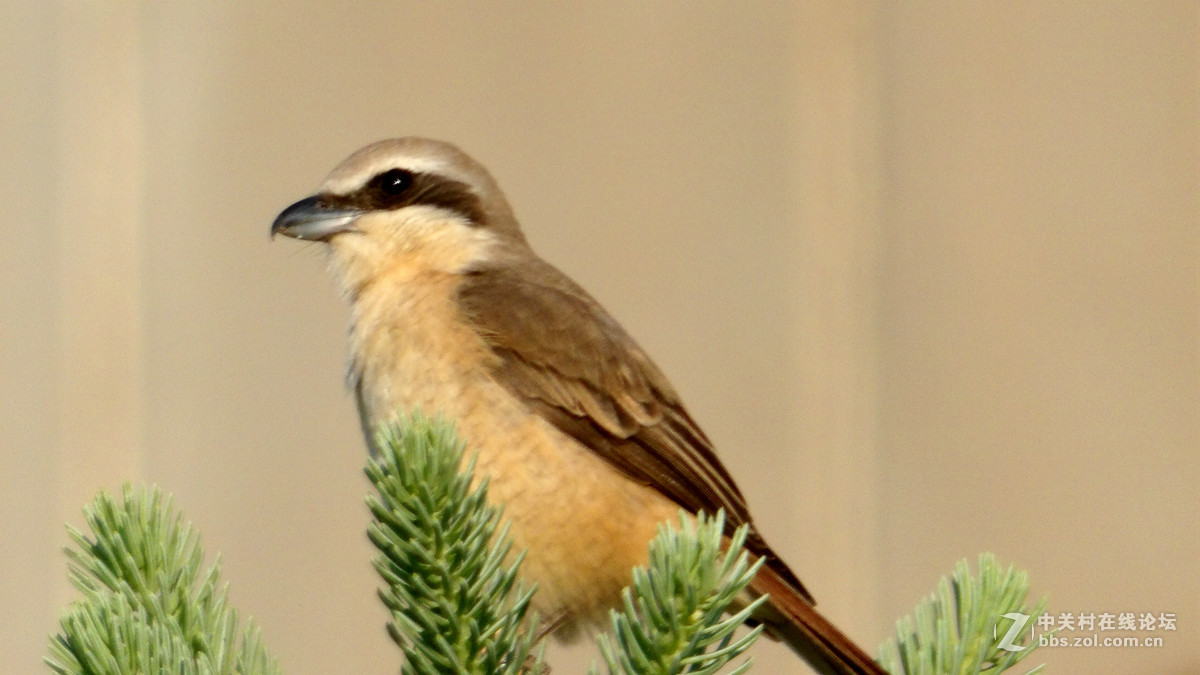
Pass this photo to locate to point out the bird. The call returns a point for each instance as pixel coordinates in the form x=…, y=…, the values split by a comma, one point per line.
x=586, y=445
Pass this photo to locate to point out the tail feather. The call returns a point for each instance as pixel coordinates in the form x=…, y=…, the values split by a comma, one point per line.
x=789, y=616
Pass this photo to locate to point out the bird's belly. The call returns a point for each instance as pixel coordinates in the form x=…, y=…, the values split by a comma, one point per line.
x=583, y=524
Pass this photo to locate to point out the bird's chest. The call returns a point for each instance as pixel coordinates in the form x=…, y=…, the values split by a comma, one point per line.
x=582, y=524
x=411, y=349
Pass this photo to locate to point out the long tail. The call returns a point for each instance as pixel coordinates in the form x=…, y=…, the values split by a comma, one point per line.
x=789, y=616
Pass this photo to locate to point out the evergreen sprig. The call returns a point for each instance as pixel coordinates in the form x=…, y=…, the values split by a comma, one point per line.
x=147, y=607
x=956, y=629
x=453, y=597
x=673, y=619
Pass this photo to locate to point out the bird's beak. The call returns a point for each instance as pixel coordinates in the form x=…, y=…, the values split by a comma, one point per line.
x=314, y=220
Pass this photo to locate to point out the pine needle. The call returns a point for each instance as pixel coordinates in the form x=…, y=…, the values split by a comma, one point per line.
x=451, y=586
x=961, y=628
x=147, y=607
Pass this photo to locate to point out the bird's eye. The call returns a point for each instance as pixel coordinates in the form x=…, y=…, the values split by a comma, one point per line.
x=394, y=182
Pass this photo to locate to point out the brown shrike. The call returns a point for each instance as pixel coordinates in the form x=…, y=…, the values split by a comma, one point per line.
x=587, y=445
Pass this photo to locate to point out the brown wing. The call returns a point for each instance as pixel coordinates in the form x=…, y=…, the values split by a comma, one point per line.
x=571, y=363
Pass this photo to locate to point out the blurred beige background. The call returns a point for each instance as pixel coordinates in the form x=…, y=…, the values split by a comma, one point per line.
x=927, y=273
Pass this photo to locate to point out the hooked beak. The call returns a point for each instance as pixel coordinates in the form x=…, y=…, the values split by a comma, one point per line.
x=312, y=219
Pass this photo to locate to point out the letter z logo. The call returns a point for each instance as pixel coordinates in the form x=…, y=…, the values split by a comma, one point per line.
x=1018, y=622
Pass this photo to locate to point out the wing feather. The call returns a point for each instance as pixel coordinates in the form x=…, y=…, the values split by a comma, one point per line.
x=562, y=354
x=570, y=362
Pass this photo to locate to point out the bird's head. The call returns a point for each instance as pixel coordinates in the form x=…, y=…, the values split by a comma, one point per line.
x=405, y=205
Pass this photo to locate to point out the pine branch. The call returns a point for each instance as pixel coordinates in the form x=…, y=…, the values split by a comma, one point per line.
x=959, y=630
x=455, y=604
x=673, y=620
x=146, y=607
